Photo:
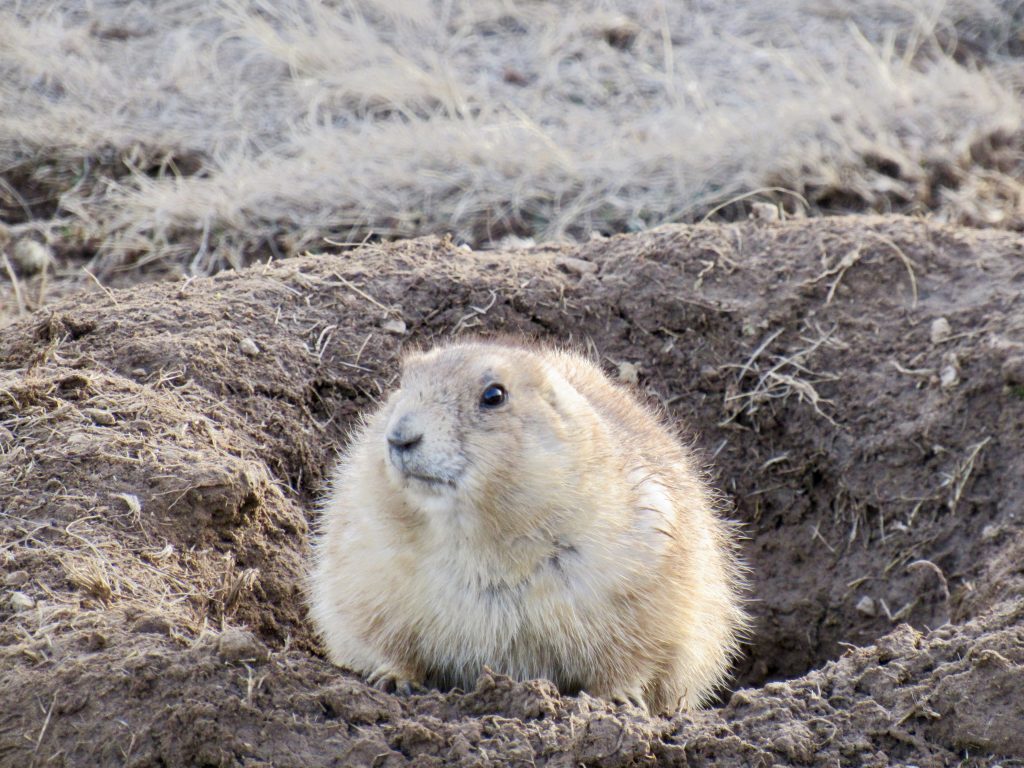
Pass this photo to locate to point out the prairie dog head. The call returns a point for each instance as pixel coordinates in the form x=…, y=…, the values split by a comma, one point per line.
x=487, y=430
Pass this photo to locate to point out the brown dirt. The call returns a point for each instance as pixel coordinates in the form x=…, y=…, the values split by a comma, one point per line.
x=157, y=478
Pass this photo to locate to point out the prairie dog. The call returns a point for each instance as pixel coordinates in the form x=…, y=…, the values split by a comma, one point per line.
x=512, y=507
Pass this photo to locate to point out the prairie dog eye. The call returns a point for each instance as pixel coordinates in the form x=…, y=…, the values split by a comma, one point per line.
x=494, y=396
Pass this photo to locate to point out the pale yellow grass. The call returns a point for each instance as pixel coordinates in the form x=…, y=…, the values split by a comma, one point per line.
x=211, y=133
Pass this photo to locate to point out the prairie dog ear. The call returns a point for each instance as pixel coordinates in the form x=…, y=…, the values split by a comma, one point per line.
x=549, y=394
x=555, y=390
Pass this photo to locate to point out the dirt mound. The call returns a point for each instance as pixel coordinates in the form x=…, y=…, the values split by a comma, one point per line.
x=857, y=385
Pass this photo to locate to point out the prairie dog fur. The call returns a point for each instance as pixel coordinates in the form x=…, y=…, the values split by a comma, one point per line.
x=512, y=507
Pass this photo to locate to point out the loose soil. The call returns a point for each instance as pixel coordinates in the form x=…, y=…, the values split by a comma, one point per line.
x=855, y=384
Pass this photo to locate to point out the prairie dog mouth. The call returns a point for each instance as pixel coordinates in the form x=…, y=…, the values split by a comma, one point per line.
x=431, y=480
x=419, y=471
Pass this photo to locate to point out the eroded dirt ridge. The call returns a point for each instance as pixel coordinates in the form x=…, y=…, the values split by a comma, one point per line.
x=857, y=384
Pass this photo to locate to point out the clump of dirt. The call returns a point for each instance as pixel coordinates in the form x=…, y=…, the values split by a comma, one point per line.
x=140, y=503
x=857, y=386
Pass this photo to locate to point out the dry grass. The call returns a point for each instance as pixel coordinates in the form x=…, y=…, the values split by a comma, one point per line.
x=210, y=133
x=777, y=377
x=91, y=548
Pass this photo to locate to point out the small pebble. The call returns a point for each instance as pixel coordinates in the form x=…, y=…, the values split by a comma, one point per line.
x=866, y=606
x=949, y=374
x=940, y=330
x=764, y=212
x=239, y=645
x=576, y=266
x=1013, y=370
x=16, y=578
x=31, y=257
x=152, y=624
x=95, y=641
x=22, y=602
x=100, y=416
x=620, y=32
x=249, y=347
x=710, y=373
x=514, y=76
x=395, y=326
x=948, y=377
x=629, y=373
x=513, y=243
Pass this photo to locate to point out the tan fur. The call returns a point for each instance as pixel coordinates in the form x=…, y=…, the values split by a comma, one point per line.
x=565, y=534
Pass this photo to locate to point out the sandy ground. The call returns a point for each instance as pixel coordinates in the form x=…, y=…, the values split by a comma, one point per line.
x=856, y=384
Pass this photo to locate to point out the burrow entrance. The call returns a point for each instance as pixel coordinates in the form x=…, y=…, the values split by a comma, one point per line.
x=861, y=441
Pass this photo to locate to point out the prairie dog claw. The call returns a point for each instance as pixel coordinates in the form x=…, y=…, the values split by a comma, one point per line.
x=390, y=680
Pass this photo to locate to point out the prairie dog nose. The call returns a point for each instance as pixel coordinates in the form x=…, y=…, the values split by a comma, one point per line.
x=404, y=435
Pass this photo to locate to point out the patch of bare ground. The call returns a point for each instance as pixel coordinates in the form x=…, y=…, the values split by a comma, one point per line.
x=857, y=386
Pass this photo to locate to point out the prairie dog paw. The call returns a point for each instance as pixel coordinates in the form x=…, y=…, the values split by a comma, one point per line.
x=392, y=680
x=633, y=696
